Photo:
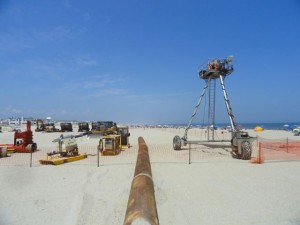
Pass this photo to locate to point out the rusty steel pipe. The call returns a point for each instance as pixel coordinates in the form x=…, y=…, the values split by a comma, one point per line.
x=141, y=207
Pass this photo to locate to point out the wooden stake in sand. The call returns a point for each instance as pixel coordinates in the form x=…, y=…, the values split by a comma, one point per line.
x=141, y=207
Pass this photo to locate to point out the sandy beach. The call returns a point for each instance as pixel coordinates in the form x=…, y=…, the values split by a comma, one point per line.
x=214, y=189
x=218, y=68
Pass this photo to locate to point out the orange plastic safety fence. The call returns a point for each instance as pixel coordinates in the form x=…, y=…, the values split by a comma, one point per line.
x=282, y=150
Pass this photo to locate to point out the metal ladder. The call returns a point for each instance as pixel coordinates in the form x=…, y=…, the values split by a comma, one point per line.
x=211, y=110
x=211, y=113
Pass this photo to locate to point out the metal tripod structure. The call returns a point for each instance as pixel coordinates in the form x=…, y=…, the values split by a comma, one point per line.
x=211, y=71
x=211, y=85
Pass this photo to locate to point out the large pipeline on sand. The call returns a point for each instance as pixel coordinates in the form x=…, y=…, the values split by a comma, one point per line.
x=141, y=207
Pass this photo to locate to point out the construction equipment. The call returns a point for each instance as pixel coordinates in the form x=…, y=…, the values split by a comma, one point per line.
x=10, y=148
x=23, y=141
x=67, y=150
x=211, y=71
x=110, y=144
x=66, y=127
x=40, y=126
x=83, y=127
x=47, y=127
x=50, y=127
x=104, y=127
x=124, y=132
x=3, y=151
x=241, y=144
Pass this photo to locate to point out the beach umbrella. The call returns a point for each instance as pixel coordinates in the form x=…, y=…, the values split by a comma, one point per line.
x=258, y=129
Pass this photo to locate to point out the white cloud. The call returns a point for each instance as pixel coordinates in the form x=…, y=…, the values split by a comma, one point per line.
x=15, y=41
x=86, y=61
x=93, y=82
x=87, y=16
x=55, y=112
x=158, y=97
x=106, y=92
x=51, y=34
x=66, y=4
x=12, y=110
x=95, y=86
x=40, y=70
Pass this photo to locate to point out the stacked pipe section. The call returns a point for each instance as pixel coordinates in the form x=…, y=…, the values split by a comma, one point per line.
x=141, y=207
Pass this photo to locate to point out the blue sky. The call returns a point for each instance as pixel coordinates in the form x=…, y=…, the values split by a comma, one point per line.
x=136, y=61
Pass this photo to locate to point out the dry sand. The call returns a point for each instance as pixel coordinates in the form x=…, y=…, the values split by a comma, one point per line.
x=214, y=189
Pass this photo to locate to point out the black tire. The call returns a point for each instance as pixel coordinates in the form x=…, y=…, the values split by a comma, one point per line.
x=177, y=143
x=246, y=150
x=34, y=147
x=75, y=153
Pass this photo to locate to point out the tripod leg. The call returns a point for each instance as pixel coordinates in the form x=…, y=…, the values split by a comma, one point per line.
x=229, y=110
x=196, y=108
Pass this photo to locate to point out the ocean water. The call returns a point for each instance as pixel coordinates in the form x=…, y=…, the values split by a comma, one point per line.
x=266, y=126
x=270, y=126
